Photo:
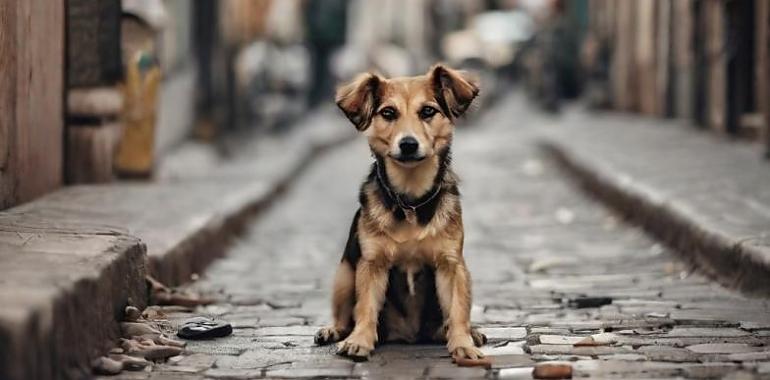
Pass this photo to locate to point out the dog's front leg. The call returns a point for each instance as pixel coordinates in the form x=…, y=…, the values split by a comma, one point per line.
x=453, y=286
x=371, y=284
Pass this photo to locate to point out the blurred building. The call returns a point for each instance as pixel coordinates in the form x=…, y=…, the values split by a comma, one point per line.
x=94, y=91
x=704, y=60
x=67, y=101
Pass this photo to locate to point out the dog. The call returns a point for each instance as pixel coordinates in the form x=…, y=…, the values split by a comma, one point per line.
x=402, y=277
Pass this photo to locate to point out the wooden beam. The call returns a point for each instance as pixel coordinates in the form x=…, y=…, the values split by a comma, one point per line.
x=31, y=98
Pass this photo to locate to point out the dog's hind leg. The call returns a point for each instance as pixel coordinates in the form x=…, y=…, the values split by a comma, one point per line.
x=343, y=298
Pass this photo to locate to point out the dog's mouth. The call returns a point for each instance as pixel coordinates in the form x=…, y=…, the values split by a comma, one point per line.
x=408, y=159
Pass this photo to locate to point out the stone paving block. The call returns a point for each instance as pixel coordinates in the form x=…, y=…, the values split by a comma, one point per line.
x=668, y=354
x=401, y=368
x=511, y=361
x=330, y=369
x=680, y=331
x=509, y=348
x=163, y=375
x=230, y=374
x=560, y=339
x=749, y=356
x=452, y=371
x=568, y=349
x=199, y=361
x=710, y=370
x=625, y=369
x=286, y=331
x=548, y=331
x=722, y=348
x=505, y=333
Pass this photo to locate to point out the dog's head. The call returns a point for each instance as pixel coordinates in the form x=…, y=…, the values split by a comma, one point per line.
x=408, y=120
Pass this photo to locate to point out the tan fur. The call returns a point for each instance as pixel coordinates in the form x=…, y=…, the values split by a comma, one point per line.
x=386, y=242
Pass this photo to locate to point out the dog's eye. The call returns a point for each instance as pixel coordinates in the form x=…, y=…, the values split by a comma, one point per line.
x=427, y=112
x=389, y=113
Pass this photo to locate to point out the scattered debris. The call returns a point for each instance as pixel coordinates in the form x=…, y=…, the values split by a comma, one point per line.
x=565, y=215
x=160, y=294
x=543, y=264
x=142, y=342
x=552, y=371
x=132, y=314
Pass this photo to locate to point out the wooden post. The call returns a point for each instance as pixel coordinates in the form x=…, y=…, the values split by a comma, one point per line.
x=663, y=59
x=645, y=56
x=623, y=56
x=717, y=64
x=31, y=98
x=683, y=57
x=762, y=71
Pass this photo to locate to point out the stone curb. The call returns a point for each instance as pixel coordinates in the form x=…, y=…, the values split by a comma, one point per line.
x=725, y=258
x=54, y=333
x=193, y=254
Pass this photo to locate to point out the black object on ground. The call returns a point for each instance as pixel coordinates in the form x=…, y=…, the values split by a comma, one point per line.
x=198, y=328
x=586, y=302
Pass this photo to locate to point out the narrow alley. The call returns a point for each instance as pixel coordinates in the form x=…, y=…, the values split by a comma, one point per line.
x=549, y=266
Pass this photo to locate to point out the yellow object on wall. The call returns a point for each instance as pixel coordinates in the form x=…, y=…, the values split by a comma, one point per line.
x=134, y=157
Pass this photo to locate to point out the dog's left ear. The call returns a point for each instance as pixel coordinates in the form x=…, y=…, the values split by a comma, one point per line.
x=360, y=98
x=455, y=90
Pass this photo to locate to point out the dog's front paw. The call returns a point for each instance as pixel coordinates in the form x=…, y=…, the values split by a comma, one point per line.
x=327, y=335
x=466, y=352
x=355, y=348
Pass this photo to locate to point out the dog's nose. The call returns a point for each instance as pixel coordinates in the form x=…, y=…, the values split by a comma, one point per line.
x=408, y=145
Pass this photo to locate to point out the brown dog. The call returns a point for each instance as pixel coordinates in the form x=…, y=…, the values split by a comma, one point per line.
x=402, y=276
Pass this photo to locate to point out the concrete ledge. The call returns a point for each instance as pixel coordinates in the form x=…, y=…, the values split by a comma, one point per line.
x=731, y=259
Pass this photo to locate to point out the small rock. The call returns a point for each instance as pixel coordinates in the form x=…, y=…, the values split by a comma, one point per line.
x=130, y=363
x=132, y=314
x=552, y=371
x=481, y=362
x=565, y=215
x=106, y=366
x=132, y=329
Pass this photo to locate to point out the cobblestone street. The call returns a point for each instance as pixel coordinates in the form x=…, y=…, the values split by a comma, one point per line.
x=549, y=266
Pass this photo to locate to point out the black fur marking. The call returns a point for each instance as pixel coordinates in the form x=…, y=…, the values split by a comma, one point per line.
x=398, y=289
x=431, y=317
x=438, y=90
x=353, y=249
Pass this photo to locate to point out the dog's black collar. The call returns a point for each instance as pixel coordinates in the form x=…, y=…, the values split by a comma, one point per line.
x=396, y=197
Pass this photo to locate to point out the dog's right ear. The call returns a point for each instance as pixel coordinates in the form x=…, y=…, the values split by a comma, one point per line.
x=359, y=99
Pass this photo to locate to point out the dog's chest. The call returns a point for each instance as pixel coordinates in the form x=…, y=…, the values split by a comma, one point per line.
x=408, y=232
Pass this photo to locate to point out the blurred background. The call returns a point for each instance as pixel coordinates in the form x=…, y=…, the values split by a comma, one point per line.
x=129, y=81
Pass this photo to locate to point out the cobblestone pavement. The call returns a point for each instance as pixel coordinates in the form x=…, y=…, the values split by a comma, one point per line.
x=549, y=267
